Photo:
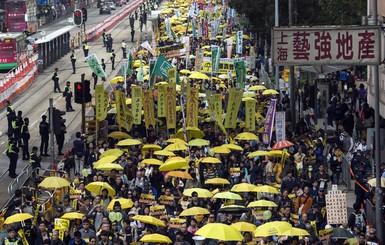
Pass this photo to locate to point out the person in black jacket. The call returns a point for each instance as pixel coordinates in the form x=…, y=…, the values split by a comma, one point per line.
x=13, y=154
x=44, y=135
x=25, y=136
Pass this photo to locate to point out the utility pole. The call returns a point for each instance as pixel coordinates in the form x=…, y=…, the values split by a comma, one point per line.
x=83, y=105
x=292, y=82
x=52, y=133
x=377, y=156
x=276, y=18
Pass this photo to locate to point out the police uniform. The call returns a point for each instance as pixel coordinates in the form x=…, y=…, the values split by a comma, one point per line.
x=68, y=95
x=35, y=160
x=85, y=49
x=11, y=241
x=13, y=154
x=112, y=58
x=10, y=115
x=55, y=79
x=124, y=49
x=73, y=61
x=25, y=136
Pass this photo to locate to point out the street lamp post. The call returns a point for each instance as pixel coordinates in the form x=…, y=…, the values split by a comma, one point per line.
x=276, y=18
x=292, y=82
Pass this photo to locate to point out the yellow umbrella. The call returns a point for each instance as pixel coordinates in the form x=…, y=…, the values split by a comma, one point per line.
x=184, y=71
x=72, y=215
x=198, y=75
x=243, y=187
x=152, y=161
x=246, y=136
x=223, y=76
x=206, y=47
x=219, y=231
x=296, y=232
x=146, y=77
x=278, y=153
x=246, y=37
x=124, y=203
x=176, y=147
x=198, y=142
x=233, y=147
x=109, y=167
x=244, y=226
x=273, y=228
x=129, y=142
x=262, y=203
x=104, y=160
x=373, y=182
x=142, y=52
x=118, y=135
x=194, y=211
x=115, y=80
x=128, y=102
x=54, y=182
x=155, y=238
x=154, y=147
x=257, y=87
x=176, y=140
x=270, y=92
x=221, y=150
x=17, y=218
x=210, y=160
x=248, y=94
x=267, y=189
x=97, y=188
x=112, y=152
x=192, y=132
x=202, y=193
x=227, y=195
x=173, y=163
x=217, y=181
x=258, y=154
x=179, y=174
x=164, y=153
x=149, y=220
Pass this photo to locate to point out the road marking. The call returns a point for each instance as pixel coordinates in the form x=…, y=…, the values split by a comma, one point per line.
x=33, y=123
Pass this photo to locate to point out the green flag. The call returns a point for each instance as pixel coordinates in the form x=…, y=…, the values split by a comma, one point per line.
x=240, y=71
x=139, y=76
x=215, y=58
x=130, y=63
x=96, y=67
x=161, y=67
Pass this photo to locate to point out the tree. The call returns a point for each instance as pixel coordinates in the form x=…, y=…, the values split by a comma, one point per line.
x=342, y=12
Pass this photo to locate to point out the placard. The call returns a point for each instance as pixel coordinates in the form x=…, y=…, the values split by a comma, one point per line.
x=336, y=209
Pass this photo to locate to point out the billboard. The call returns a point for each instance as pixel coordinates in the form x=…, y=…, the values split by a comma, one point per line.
x=336, y=45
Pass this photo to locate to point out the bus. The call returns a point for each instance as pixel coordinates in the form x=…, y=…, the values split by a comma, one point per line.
x=13, y=49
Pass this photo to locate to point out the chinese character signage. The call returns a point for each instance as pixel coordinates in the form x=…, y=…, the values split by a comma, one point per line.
x=123, y=116
x=171, y=105
x=95, y=66
x=101, y=102
x=192, y=107
x=148, y=107
x=326, y=45
x=233, y=103
x=336, y=211
x=268, y=124
x=172, y=75
x=239, y=42
x=240, y=71
x=136, y=104
x=280, y=130
x=162, y=100
x=250, y=114
x=199, y=59
x=215, y=58
x=225, y=65
x=171, y=50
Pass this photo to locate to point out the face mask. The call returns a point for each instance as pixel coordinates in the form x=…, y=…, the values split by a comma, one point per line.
x=310, y=169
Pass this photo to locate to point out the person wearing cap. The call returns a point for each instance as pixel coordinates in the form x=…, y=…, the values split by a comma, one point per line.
x=86, y=231
x=12, y=238
x=55, y=79
x=77, y=240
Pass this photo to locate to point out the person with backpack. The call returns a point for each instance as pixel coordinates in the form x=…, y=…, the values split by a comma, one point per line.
x=357, y=219
x=78, y=150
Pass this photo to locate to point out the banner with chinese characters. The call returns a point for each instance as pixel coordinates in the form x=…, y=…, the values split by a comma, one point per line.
x=240, y=72
x=280, y=126
x=101, y=102
x=136, y=104
x=162, y=100
x=148, y=108
x=199, y=59
x=171, y=50
x=229, y=47
x=215, y=58
x=250, y=114
x=171, y=105
x=233, y=103
x=123, y=116
x=61, y=224
x=268, y=124
x=344, y=45
x=192, y=104
x=172, y=75
x=239, y=44
x=96, y=67
x=215, y=107
x=225, y=65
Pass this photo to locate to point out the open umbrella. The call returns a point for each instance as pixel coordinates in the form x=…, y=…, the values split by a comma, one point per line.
x=119, y=135
x=282, y=144
x=72, y=215
x=219, y=231
x=246, y=136
x=373, y=182
x=257, y=87
x=112, y=152
x=192, y=133
x=198, y=142
x=184, y=71
x=339, y=233
x=164, y=153
x=258, y=154
x=173, y=163
x=270, y=92
x=154, y=147
x=244, y=187
x=155, y=238
x=17, y=218
x=129, y=142
x=244, y=226
x=194, y=211
x=228, y=195
x=262, y=203
x=217, y=181
x=54, y=182
x=221, y=150
x=266, y=189
x=202, y=193
x=117, y=79
x=176, y=140
x=198, y=75
x=273, y=228
x=179, y=174
x=176, y=147
x=124, y=203
x=152, y=161
x=296, y=232
x=109, y=167
x=98, y=186
x=149, y=220
x=104, y=160
x=210, y=160
x=278, y=153
x=233, y=147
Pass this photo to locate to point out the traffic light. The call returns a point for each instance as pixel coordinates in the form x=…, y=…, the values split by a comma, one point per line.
x=84, y=12
x=87, y=91
x=78, y=17
x=57, y=120
x=78, y=93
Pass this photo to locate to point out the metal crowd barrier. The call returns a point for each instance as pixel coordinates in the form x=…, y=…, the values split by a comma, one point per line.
x=20, y=180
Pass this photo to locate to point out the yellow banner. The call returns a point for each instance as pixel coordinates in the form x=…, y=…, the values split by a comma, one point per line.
x=148, y=107
x=215, y=107
x=171, y=105
x=61, y=224
x=162, y=101
x=101, y=102
x=36, y=214
x=61, y=235
x=233, y=103
x=136, y=104
x=124, y=117
x=250, y=114
x=172, y=75
x=192, y=107
x=225, y=65
x=22, y=236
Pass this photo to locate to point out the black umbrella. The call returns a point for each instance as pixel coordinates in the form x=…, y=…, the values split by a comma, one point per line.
x=339, y=233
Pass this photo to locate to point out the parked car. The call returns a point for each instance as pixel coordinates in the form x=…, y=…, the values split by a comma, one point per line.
x=112, y=5
x=105, y=9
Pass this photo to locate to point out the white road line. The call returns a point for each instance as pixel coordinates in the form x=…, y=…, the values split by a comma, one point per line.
x=33, y=123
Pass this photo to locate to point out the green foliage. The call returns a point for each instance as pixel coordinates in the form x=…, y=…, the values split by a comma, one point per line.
x=342, y=12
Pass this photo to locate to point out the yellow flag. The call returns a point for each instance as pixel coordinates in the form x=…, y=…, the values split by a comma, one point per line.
x=215, y=107
x=61, y=234
x=250, y=115
x=233, y=103
x=101, y=102
x=136, y=104
x=22, y=236
x=124, y=117
x=171, y=105
x=172, y=75
x=162, y=101
x=61, y=224
x=192, y=107
x=148, y=107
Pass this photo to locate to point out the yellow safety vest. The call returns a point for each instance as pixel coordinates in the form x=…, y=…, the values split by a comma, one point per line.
x=86, y=46
x=73, y=56
x=9, y=149
x=8, y=111
x=7, y=241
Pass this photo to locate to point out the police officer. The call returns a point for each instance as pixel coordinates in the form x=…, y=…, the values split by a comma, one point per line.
x=44, y=135
x=12, y=238
x=25, y=136
x=17, y=128
x=95, y=77
x=68, y=97
x=13, y=154
x=85, y=49
x=104, y=37
x=55, y=79
x=104, y=69
x=73, y=61
x=132, y=34
x=132, y=21
x=109, y=43
x=35, y=160
x=112, y=58
x=10, y=115
x=124, y=49
x=61, y=136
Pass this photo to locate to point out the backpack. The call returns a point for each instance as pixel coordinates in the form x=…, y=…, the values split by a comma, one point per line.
x=360, y=220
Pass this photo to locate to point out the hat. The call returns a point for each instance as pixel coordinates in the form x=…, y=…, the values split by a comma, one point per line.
x=11, y=229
